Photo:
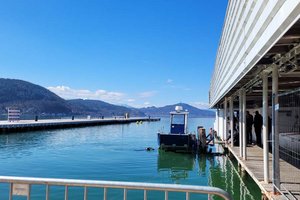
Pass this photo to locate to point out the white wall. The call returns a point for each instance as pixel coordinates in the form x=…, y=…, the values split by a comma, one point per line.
x=250, y=29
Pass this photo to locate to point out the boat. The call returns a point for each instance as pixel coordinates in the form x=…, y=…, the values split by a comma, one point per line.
x=178, y=139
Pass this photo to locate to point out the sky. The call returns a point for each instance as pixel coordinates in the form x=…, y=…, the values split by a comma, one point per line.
x=134, y=52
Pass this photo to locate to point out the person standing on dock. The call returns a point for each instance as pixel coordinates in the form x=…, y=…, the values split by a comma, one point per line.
x=249, y=123
x=258, y=121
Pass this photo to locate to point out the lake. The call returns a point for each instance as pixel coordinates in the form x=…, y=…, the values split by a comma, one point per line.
x=117, y=153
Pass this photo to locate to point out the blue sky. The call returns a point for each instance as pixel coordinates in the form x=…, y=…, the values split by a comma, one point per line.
x=135, y=52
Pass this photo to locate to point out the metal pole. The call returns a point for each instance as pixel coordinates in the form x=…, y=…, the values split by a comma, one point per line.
x=186, y=123
x=225, y=120
x=265, y=127
x=145, y=194
x=231, y=118
x=275, y=133
x=241, y=122
x=218, y=123
x=244, y=126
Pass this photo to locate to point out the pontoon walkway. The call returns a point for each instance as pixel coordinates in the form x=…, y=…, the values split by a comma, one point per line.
x=290, y=175
x=30, y=125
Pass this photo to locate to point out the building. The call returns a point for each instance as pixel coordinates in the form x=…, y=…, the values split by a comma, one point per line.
x=257, y=69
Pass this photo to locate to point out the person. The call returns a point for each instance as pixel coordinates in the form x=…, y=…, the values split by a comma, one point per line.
x=235, y=123
x=249, y=123
x=210, y=137
x=258, y=121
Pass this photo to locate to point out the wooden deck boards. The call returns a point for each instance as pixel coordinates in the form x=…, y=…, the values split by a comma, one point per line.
x=290, y=175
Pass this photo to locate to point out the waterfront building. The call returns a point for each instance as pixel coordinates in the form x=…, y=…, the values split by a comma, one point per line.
x=257, y=69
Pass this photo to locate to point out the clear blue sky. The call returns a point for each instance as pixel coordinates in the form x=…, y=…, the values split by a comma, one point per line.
x=135, y=52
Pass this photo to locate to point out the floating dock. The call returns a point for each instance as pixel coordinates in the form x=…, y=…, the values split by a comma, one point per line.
x=290, y=175
x=32, y=125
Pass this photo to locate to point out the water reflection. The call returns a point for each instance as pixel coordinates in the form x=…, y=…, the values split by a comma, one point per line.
x=176, y=164
x=219, y=171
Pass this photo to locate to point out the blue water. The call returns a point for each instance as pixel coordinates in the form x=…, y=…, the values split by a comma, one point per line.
x=115, y=152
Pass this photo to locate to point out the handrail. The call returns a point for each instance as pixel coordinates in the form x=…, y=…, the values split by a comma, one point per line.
x=115, y=184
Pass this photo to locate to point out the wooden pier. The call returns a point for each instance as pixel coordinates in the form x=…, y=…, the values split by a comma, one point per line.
x=31, y=125
x=290, y=175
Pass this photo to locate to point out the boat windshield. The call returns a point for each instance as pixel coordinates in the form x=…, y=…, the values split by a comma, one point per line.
x=178, y=119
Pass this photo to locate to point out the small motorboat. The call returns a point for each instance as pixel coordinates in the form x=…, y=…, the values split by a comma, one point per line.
x=178, y=139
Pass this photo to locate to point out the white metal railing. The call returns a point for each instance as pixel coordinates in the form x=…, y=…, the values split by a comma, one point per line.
x=21, y=186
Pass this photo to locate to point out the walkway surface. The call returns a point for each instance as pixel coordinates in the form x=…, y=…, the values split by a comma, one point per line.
x=27, y=125
x=290, y=175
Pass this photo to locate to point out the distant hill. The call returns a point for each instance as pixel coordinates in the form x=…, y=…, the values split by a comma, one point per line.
x=165, y=111
x=36, y=100
x=30, y=98
x=101, y=108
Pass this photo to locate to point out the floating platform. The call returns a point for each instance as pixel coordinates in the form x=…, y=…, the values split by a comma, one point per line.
x=32, y=125
x=290, y=175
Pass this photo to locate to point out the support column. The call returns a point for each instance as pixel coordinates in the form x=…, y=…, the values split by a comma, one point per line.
x=231, y=119
x=244, y=127
x=265, y=127
x=225, y=120
x=275, y=132
x=218, y=123
x=241, y=122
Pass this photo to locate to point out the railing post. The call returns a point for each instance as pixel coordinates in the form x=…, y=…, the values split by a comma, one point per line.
x=166, y=195
x=85, y=193
x=66, y=192
x=125, y=194
x=10, y=191
x=29, y=191
x=145, y=194
x=47, y=192
x=187, y=196
x=105, y=193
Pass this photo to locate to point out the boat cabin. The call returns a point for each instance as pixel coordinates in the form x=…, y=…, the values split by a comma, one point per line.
x=179, y=122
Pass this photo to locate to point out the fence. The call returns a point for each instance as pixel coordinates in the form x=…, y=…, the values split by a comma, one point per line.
x=289, y=142
x=289, y=127
x=21, y=186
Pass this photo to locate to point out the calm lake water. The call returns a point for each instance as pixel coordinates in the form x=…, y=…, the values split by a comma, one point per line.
x=116, y=152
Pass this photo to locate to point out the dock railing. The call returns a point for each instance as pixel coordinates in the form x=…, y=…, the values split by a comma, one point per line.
x=21, y=186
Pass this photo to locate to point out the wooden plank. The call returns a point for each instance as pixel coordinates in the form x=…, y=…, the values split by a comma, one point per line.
x=290, y=175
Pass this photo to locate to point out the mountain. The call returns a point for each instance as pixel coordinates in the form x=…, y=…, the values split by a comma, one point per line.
x=165, y=111
x=30, y=98
x=33, y=99
x=101, y=108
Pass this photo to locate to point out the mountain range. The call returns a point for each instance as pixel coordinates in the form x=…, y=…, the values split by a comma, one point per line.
x=36, y=100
